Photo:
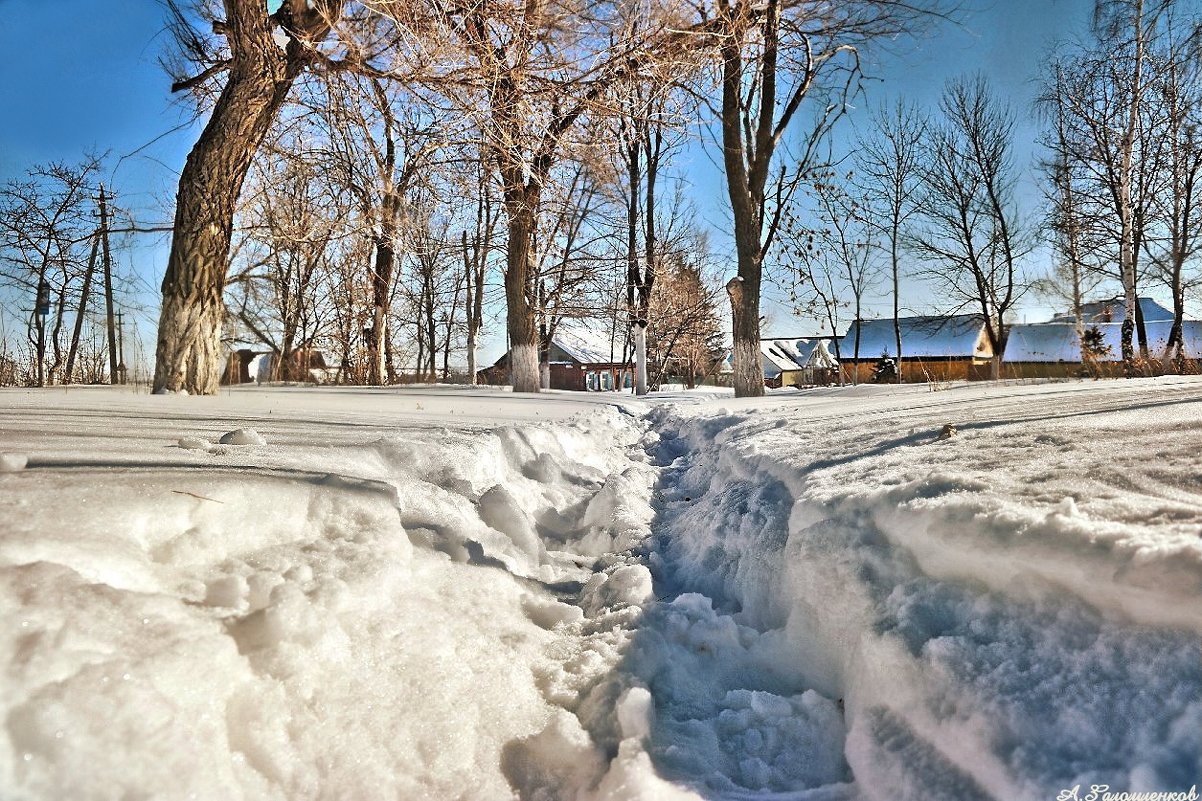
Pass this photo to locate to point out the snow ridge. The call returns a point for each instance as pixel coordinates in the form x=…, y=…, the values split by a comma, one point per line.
x=978, y=643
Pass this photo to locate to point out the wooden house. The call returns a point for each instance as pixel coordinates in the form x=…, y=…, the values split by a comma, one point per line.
x=938, y=348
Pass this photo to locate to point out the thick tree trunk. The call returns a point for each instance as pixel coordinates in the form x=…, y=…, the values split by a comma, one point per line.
x=523, y=331
x=745, y=186
x=747, y=361
x=188, y=357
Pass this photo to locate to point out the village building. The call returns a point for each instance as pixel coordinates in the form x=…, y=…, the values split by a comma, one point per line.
x=1053, y=349
x=935, y=348
x=798, y=362
x=582, y=359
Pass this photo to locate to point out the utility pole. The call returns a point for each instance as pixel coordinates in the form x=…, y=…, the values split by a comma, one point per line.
x=83, y=307
x=108, y=286
x=121, y=346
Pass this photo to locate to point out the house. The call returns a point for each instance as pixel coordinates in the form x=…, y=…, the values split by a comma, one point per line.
x=246, y=366
x=1052, y=350
x=942, y=348
x=582, y=358
x=788, y=362
x=1114, y=310
x=798, y=362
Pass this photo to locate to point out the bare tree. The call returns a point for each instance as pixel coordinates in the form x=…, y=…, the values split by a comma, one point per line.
x=888, y=161
x=288, y=226
x=255, y=57
x=643, y=146
x=1177, y=95
x=1073, y=276
x=686, y=338
x=570, y=253
x=47, y=233
x=971, y=231
x=381, y=139
x=1127, y=26
x=835, y=257
x=477, y=244
x=772, y=57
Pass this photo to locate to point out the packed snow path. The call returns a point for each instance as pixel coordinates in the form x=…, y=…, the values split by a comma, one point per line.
x=445, y=594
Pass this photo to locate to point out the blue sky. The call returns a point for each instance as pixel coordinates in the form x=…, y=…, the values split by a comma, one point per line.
x=83, y=74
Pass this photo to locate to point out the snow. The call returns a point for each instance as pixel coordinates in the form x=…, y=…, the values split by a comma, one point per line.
x=454, y=593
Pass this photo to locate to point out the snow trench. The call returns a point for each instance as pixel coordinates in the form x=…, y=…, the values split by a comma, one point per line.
x=607, y=608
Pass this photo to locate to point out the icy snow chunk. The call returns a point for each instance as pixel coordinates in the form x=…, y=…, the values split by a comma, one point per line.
x=629, y=585
x=242, y=436
x=635, y=713
x=194, y=444
x=549, y=613
x=13, y=462
x=502, y=511
x=228, y=591
x=556, y=762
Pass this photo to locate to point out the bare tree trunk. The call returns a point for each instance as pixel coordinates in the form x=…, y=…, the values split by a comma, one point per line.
x=747, y=361
x=188, y=358
x=1126, y=204
x=381, y=292
x=743, y=290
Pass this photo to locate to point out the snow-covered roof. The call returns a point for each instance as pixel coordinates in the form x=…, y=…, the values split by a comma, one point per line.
x=1114, y=310
x=1057, y=342
x=819, y=355
x=783, y=355
x=586, y=345
x=957, y=337
x=780, y=355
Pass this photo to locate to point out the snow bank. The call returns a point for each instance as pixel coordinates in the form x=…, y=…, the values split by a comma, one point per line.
x=390, y=617
x=1004, y=613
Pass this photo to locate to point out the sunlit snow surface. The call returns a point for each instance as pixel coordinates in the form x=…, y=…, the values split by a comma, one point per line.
x=468, y=594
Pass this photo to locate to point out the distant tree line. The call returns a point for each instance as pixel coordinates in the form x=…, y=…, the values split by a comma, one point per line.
x=932, y=196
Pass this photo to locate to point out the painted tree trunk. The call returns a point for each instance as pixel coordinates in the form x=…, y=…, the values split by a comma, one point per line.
x=523, y=331
x=640, y=359
x=188, y=356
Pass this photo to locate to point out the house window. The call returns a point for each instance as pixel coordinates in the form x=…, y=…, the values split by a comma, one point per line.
x=590, y=381
x=607, y=381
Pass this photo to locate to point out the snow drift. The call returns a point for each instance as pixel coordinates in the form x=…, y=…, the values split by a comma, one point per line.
x=873, y=593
